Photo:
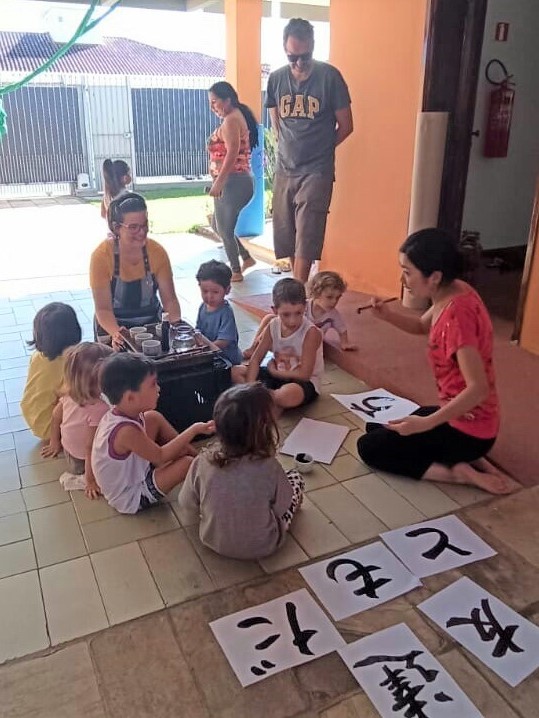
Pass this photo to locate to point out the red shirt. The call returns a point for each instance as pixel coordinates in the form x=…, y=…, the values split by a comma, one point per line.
x=464, y=322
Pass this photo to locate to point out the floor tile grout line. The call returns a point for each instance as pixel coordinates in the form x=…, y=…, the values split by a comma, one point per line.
x=406, y=500
x=99, y=591
x=147, y=564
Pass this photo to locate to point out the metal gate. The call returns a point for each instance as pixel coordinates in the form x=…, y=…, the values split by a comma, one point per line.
x=45, y=142
x=171, y=127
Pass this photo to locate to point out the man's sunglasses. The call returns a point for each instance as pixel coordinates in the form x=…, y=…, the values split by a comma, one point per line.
x=305, y=57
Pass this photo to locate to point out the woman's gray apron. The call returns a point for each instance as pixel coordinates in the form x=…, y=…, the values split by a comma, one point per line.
x=133, y=303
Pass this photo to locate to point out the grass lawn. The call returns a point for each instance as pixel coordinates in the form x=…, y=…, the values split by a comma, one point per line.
x=176, y=210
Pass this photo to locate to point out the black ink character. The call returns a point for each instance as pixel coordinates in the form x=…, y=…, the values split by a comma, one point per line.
x=370, y=585
x=438, y=548
x=370, y=409
x=489, y=629
x=301, y=638
x=406, y=695
x=409, y=660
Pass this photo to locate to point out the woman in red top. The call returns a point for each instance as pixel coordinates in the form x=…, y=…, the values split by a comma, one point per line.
x=229, y=148
x=446, y=443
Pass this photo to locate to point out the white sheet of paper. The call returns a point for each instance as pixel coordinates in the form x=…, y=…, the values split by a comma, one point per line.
x=513, y=655
x=272, y=621
x=377, y=405
x=334, y=582
x=419, y=552
x=320, y=439
x=397, y=642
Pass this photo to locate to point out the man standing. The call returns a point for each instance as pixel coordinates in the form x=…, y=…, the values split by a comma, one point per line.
x=309, y=106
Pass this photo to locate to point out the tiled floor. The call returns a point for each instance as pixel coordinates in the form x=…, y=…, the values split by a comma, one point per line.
x=82, y=567
x=71, y=567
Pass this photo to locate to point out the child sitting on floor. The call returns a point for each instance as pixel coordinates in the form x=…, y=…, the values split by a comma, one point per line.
x=55, y=329
x=237, y=489
x=325, y=290
x=215, y=317
x=137, y=456
x=76, y=416
x=294, y=373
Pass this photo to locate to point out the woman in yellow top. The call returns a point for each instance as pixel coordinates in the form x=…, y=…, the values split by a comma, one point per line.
x=127, y=270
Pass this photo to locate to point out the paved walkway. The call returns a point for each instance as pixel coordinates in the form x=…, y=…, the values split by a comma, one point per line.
x=107, y=615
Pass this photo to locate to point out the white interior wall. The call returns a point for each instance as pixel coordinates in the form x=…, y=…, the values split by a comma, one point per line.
x=500, y=191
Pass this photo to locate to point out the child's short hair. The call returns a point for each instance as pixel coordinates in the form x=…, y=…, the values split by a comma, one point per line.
x=326, y=280
x=56, y=327
x=245, y=424
x=124, y=372
x=215, y=271
x=81, y=370
x=288, y=291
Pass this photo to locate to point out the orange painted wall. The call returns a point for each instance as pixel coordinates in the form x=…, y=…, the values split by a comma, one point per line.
x=378, y=47
x=243, y=46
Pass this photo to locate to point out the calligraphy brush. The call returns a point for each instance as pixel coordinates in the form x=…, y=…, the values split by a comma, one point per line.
x=370, y=306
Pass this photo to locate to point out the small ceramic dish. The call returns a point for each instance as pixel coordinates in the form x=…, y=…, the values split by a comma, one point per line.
x=151, y=347
x=304, y=462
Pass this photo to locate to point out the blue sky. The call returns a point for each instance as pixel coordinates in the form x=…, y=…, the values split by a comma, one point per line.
x=196, y=31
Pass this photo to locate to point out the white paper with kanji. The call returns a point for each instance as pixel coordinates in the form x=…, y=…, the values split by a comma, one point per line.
x=266, y=639
x=377, y=405
x=501, y=638
x=357, y=580
x=436, y=545
x=402, y=678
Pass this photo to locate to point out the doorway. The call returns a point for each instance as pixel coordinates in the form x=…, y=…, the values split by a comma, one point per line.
x=493, y=197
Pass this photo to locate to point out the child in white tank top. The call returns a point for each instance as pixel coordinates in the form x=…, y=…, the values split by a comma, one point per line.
x=294, y=374
x=137, y=456
x=325, y=290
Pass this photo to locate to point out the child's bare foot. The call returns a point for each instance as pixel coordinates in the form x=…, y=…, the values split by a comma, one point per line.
x=247, y=264
x=493, y=483
x=236, y=277
x=486, y=466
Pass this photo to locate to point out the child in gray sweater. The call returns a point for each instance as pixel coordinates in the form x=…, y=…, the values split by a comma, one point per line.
x=237, y=490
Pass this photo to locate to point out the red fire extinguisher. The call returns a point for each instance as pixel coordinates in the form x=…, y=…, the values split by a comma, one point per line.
x=500, y=113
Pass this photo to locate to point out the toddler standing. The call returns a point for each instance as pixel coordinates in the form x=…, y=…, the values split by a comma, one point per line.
x=325, y=290
x=116, y=177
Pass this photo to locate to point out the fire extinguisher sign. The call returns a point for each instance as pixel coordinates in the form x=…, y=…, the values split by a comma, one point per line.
x=502, y=31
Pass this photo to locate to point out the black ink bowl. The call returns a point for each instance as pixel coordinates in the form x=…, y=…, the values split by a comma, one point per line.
x=304, y=462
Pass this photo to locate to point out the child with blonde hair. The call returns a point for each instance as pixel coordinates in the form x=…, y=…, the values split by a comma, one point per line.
x=237, y=490
x=55, y=329
x=76, y=416
x=325, y=290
